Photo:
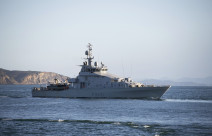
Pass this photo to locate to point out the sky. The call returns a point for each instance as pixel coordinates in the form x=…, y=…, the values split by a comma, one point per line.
x=142, y=39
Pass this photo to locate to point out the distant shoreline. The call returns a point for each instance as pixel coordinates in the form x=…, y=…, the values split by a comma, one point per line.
x=17, y=77
x=28, y=77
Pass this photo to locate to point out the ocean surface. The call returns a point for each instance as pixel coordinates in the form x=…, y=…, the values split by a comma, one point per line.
x=181, y=111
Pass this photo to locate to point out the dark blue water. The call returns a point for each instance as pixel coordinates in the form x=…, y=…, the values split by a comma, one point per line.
x=181, y=111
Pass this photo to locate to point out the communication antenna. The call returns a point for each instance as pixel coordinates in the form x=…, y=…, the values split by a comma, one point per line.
x=123, y=70
x=89, y=54
x=131, y=74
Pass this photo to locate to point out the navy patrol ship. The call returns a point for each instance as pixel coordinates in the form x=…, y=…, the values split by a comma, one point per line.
x=94, y=81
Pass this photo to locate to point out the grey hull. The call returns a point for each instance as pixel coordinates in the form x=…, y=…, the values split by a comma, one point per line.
x=128, y=93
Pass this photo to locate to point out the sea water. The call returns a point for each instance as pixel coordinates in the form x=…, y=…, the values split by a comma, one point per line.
x=181, y=111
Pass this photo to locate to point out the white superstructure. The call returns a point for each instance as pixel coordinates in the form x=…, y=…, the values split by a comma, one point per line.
x=97, y=76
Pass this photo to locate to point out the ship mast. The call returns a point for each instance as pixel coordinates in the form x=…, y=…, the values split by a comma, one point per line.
x=89, y=54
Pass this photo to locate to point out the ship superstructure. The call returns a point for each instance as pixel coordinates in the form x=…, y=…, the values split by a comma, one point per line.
x=97, y=76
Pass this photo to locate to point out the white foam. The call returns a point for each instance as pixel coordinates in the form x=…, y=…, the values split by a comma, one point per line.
x=116, y=123
x=60, y=120
x=145, y=126
x=188, y=100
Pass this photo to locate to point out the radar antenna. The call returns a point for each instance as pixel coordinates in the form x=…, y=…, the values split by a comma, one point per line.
x=89, y=54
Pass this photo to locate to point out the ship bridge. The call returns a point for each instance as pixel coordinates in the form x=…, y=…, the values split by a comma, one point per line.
x=87, y=65
x=96, y=76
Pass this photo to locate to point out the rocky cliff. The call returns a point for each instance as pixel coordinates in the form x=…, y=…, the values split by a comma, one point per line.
x=28, y=77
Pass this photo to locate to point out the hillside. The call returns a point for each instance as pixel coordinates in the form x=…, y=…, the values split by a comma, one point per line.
x=28, y=77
